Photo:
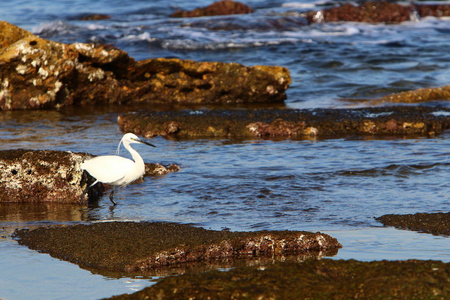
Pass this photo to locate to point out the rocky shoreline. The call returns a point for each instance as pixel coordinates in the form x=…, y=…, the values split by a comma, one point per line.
x=41, y=74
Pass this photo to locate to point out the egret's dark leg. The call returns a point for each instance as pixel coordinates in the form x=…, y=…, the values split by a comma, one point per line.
x=111, y=197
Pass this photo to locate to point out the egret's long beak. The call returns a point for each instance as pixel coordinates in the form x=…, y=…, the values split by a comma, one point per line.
x=144, y=142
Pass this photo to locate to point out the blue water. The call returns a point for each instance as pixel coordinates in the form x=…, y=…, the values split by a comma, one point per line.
x=338, y=186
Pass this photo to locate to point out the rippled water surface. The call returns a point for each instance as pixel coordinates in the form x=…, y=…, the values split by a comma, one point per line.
x=338, y=186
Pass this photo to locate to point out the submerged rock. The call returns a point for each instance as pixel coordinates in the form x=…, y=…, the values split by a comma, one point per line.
x=36, y=73
x=139, y=247
x=435, y=223
x=288, y=123
x=223, y=7
x=415, y=96
x=92, y=17
x=51, y=176
x=323, y=279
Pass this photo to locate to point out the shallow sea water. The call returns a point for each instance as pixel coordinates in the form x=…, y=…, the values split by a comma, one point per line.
x=337, y=186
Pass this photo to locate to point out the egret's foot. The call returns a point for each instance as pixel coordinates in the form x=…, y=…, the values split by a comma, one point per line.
x=111, y=197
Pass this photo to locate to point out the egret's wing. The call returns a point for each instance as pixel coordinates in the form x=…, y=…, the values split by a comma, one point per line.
x=107, y=168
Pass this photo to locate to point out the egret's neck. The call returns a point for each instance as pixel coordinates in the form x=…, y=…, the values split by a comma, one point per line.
x=139, y=162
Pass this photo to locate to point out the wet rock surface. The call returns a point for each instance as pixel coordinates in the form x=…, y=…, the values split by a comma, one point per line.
x=52, y=176
x=435, y=223
x=36, y=73
x=139, y=247
x=324, y=279
x=224, y=7
x=288, y=123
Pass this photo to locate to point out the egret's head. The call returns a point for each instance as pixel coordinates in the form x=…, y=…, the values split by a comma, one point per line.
x=130, y=138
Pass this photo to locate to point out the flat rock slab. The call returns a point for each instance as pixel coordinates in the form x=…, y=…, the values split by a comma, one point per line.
x=32, y=176
x=139, y=247
x=289, y=123
x=324, y=279
x=435, y=223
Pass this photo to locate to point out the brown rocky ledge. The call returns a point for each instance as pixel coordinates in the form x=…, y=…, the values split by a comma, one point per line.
x=368, y=11
x=435, y=223
x=36, y=73
x=378, y=12
x=224, y=7
x=289, y=123
x=139, y=247
x=51, y=176
x=313, y=279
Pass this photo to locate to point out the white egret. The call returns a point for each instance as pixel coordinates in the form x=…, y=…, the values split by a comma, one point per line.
x=116, y=170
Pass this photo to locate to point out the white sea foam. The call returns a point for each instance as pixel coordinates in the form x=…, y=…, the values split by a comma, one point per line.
x=380, y=114
x=93, y=26
x=309, y=5
x=55, y=27
x=145, y=36
x=298, y=5
x=441, y=113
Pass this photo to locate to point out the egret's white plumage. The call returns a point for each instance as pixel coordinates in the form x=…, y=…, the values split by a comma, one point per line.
x=117, y=170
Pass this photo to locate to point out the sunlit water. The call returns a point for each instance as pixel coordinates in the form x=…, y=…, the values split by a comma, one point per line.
x=338, y=186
